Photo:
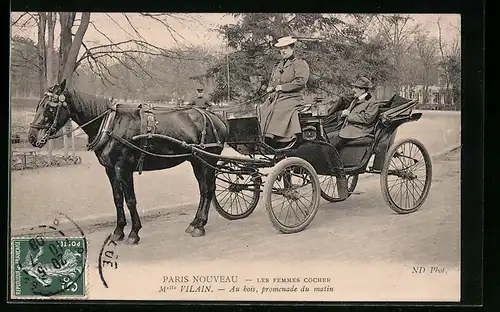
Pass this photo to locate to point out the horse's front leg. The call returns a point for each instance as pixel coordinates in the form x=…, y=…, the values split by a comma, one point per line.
x=125, y=177
x=121, y=222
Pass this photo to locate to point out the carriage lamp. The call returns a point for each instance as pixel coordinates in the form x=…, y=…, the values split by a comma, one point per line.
x=309, y=133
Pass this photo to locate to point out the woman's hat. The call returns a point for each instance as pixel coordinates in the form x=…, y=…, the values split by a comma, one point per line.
x=363, y=83
x=285, y=41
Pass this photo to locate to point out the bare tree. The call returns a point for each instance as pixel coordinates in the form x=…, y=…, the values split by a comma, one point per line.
x=443, y=60
x=42, y=52
x=51, y=24
x=396, y=32
x=427, y=52
x=24, y=63
x=450, y=54
x=101, y=56
x=71, y=57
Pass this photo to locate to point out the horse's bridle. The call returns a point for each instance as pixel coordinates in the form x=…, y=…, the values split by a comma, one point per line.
x=58, y=102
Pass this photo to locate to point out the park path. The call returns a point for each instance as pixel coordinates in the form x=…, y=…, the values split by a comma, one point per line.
x=366, y=250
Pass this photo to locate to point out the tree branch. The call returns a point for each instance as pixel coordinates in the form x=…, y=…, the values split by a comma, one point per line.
x=19, y=18
x=99, y=31
x=26, y=22
x=118, y=24
x=133, y=27
x=26, y=59
x=169, y=29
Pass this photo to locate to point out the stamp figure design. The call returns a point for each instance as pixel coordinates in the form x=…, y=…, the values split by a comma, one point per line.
x=48, y=266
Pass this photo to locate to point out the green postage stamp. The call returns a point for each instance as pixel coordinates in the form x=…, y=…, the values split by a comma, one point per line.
x=49, y=267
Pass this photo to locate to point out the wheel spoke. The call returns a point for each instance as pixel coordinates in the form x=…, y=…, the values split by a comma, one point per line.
x=406, y=176
x=295, y=180
x=236, y=193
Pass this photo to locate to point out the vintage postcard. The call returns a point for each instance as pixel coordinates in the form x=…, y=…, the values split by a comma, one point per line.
x=235, y=157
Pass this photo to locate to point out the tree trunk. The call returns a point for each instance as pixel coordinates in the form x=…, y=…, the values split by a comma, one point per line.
x=42, y=23
x=66, y=20
x=444, y=65
x=51, y=23
x=70, y=64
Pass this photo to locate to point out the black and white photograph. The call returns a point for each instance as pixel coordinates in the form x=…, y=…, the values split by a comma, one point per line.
x=305, y=157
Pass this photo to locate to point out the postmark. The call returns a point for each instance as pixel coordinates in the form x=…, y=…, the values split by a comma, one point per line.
x=108, y=259
x=49, y=262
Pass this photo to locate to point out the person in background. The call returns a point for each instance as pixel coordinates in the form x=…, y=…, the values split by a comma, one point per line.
x=200, y=100
x=280, y=119
x=359, y=119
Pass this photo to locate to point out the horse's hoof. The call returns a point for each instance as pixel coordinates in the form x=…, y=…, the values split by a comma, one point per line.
x=117, y=237
x=133, y=239
x=198, y=232
x=189, y=229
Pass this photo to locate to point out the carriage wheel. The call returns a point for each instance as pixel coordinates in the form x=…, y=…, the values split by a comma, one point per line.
x=329, y=190
x=292, y=195
x=236, y=195
x=406, y=176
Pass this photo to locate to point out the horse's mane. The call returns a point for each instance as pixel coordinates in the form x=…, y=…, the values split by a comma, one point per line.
x=90, y=105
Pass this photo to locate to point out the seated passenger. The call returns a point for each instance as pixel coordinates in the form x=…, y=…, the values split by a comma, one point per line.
x=359, y=119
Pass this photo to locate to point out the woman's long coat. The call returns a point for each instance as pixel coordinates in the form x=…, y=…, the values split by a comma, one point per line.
x=280, y=119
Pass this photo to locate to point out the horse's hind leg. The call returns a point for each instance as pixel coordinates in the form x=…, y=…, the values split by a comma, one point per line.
x=126, y=179
x=198, y=172
x=121, y=222
x=206, y=181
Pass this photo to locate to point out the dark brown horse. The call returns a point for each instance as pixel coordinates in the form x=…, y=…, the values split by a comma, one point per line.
x=120, y=159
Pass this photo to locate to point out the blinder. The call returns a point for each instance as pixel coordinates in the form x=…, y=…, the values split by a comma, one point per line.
x=54, y=101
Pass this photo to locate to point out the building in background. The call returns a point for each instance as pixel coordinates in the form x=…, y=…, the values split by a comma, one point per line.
x=436, y=95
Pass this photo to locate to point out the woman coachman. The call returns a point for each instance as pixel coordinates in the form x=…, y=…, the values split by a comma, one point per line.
x=279, y=113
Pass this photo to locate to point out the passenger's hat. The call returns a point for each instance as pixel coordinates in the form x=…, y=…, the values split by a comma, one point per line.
x=285, y=41
x=363, y=83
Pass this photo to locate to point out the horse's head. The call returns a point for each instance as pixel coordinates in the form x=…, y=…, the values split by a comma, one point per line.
x=50, y=116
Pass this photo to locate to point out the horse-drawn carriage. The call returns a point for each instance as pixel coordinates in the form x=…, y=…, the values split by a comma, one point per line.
x=310, y=167
x=127, y=138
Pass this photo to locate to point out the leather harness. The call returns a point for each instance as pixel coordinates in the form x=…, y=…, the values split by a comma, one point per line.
x=148, y=125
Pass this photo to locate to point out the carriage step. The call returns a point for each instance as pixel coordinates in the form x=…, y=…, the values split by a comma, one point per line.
x=342, y=187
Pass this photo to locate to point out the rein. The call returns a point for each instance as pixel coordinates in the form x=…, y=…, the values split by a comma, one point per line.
x=256, y=98
x=84, y=125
